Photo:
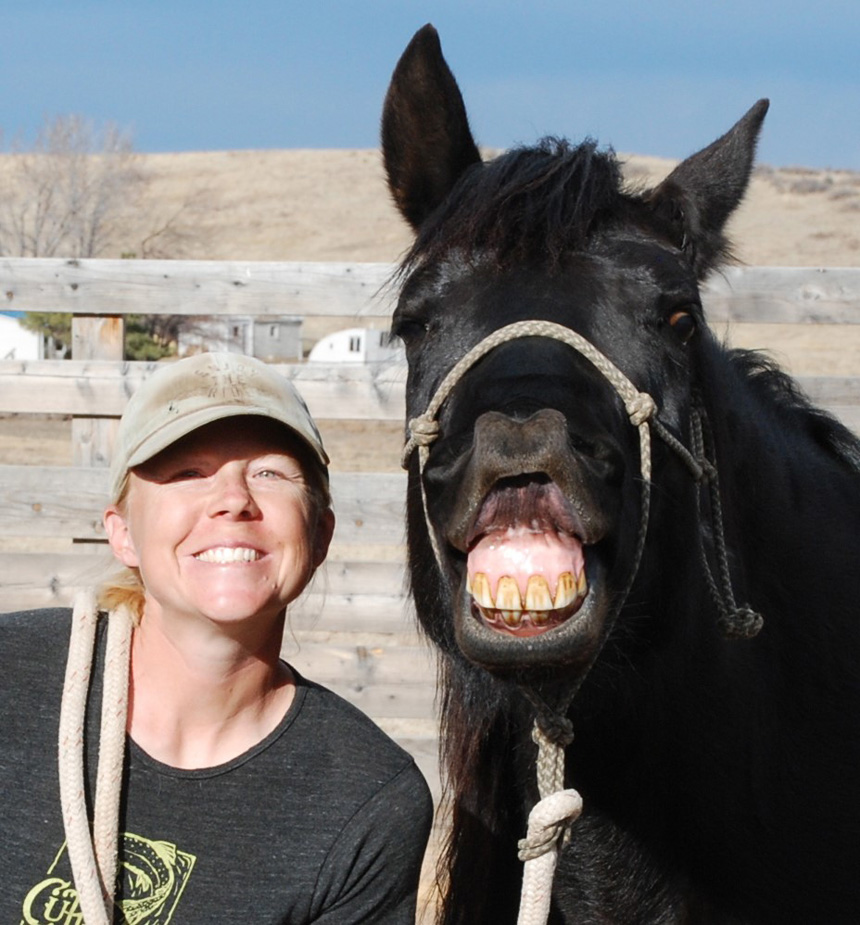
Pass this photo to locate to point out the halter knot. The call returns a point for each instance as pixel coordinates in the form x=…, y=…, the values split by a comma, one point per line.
x=424, y=430
x=709, y=470
x=641, y=408
x=549, y=821
x=741, y=623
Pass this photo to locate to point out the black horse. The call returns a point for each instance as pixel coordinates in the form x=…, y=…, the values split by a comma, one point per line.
x=718, y=764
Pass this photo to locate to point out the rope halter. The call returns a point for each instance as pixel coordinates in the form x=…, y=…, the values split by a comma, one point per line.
x=424, y=429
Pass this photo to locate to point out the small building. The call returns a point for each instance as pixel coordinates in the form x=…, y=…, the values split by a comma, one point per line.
x=273, y=339
x=17, y=343
x=356, y=345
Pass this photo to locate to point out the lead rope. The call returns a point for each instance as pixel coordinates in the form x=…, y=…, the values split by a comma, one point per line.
x=93, y=858
x=551, y=817
x=548, y=828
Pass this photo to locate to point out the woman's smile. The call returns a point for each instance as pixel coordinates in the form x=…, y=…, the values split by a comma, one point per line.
x=228, y=555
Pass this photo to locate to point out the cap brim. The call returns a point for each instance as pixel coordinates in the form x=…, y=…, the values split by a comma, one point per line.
x=176, y=430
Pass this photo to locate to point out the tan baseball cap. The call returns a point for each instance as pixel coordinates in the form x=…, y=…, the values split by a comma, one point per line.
x=187, y=394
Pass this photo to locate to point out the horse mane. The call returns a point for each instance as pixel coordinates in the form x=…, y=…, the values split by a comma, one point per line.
x=530, y=204
x=776, y=388
x=481, y=717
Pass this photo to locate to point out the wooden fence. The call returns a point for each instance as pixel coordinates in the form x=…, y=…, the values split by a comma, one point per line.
x=354, y=629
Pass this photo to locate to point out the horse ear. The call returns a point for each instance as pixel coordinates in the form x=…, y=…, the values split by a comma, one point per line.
x=701, y=193
x=426, y=140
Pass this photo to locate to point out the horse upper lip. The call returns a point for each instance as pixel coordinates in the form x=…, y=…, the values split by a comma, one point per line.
x=559, y=516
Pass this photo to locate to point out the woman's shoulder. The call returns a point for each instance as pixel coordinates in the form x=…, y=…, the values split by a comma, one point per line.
x=33, y=649
x=47, y=625
x=33, y=637
x=344, y=734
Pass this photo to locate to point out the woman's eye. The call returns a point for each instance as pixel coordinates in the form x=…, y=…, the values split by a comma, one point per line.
x=276, y=473
x=182, y=474
x=683, y=324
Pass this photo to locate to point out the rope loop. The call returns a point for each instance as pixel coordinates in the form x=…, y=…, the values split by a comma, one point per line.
x=549, y=820
x=424, y=430
x=641, y=408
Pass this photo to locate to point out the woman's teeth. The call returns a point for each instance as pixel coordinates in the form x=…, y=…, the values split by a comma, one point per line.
x=225, y=554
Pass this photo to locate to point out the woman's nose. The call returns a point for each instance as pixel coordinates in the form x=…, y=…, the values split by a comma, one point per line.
x=231, y=494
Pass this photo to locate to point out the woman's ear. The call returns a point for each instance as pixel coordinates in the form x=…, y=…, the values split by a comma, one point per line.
x=322, y=537
x=119, y=537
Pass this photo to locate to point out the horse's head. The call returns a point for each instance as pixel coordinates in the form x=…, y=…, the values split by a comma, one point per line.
x=533, y=481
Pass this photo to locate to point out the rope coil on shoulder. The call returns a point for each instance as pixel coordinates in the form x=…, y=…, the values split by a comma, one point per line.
x=93, y=857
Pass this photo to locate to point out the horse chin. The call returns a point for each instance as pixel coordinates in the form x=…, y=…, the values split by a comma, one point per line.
x=568, y=639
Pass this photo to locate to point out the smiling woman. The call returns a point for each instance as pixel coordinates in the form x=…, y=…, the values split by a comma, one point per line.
x=223, y=781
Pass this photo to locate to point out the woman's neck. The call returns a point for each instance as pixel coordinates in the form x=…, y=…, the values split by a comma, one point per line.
x=200, y=698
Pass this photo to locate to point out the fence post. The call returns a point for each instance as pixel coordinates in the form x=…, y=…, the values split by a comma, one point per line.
x=95, y=337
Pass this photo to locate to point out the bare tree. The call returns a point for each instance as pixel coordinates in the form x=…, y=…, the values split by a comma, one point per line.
x=64, y=196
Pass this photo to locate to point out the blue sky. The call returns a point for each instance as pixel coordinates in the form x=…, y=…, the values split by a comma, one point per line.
x=662, y=78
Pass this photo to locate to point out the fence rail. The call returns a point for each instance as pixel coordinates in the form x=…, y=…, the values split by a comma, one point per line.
x=780, y=295
x=353, y=630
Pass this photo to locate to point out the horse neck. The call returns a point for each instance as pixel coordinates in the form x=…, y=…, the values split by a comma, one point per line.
x=789, y=496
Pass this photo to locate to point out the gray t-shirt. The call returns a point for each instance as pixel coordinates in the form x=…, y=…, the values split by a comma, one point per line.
x=324, y=821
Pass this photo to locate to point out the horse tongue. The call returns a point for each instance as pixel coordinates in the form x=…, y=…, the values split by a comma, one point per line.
x=519, y=553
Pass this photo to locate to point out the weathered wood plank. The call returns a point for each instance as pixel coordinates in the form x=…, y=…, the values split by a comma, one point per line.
x=383, y=700
x=784, y=295
x=764, y=294
x=332, y=391
x=395, y=698
x=196, y=287
x=356, y=667
x=832, y=391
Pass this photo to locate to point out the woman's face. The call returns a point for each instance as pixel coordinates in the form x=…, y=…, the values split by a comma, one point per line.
x=221, y=525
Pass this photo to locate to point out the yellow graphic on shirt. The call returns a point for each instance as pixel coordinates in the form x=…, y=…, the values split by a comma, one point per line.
x=151, y=880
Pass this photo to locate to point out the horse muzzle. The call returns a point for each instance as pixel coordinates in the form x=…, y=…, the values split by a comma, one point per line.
x=530, y=516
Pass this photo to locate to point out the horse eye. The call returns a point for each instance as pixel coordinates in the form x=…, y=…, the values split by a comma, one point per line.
x=683, y=324
x=408, y=329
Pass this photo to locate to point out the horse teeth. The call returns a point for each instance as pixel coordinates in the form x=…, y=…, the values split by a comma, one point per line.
x=538, y=596
x=539, y=617
x=480, y=590
x=582, y=584
x=512, y=618
x=508, y=594
x=565, y=591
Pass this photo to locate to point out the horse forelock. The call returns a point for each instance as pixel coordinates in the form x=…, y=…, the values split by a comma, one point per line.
x=530, y=204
